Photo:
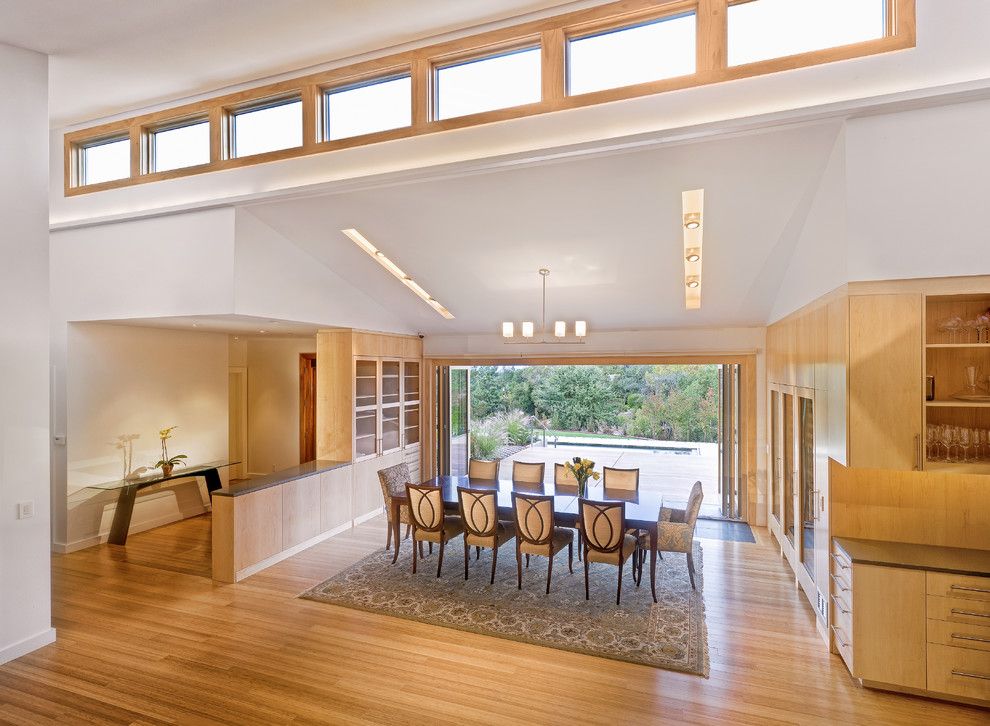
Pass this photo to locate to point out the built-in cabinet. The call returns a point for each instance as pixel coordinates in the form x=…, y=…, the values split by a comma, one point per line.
x=368, y=406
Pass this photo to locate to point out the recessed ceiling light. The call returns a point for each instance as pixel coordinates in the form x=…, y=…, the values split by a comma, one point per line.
x=693, y=282
x=693, y=254
x=382, y=259
x=692, y=220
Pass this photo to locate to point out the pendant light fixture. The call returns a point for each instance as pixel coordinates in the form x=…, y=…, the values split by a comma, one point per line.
x=580, y=327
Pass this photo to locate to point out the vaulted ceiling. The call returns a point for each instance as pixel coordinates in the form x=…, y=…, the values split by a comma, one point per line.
x=608, y=227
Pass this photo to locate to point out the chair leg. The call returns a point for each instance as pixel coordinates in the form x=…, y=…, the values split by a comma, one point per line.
x=690, y=561
x=527, y=562
x=420, y=548
x=586, y=595
x=494, y=560
x=549, y=569
x=477, y=553
x=570, y=556
x=420, y=545
x=407, y=532
x=519, y=566
x=431, y=548
x=388, y=537
x=467, y=557
x=618, y=590
x=440, y=559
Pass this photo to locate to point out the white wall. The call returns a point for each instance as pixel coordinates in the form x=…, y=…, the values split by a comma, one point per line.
x=25, y=579
x=122, y=380
x=273, y=402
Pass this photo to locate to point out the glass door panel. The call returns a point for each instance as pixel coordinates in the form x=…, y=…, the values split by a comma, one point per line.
x=390, y=428
x=410, y=403
x=365, y=383
x=730, y=479
x=391, y=382
x=366, y=432
x=366, y=406
x=806, y=471
x=787, y=470
x=460, y=445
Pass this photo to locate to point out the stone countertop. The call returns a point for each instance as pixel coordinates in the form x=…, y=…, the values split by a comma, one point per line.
x=955, y=560
x=246, y=486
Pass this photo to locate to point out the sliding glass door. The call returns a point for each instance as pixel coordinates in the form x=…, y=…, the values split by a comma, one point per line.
x=453, y=387
x=731, y=478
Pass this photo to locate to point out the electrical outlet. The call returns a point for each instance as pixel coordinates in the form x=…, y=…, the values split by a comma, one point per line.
x=25, y=510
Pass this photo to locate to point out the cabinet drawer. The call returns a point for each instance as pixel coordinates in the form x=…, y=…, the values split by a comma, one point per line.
x=842, y=585
x=840, y=560
x=959, y=671
x=959, y=635
x=842, y=615
x=963, y=586
x=843, y=643
x=959, y=610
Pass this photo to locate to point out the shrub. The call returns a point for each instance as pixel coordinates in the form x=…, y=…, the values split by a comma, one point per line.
x=487, y=437
x=517, y=428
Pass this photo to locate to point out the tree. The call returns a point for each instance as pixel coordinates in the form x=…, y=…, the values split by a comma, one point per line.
x=580, y=398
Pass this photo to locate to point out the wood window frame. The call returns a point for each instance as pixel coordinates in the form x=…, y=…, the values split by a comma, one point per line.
x=147, y=141
x=550, y=34
x=366, y=78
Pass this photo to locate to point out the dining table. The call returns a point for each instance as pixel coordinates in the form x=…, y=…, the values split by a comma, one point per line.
x=642, y=508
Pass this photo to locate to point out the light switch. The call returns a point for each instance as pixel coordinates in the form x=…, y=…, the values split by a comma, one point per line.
x=25, y=510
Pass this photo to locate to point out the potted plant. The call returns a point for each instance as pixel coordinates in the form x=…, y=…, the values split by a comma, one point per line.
x=167, y=463
x=583, y=470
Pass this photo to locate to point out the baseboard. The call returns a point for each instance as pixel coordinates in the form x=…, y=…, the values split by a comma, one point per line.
x=25, y=646
x=370, y=515
x=97, y=539
x=285, y=554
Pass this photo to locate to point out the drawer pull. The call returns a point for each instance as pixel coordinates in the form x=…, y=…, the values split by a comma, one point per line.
x=970, y=613
x=838, y=606
x=838, y=584
x=969, y=589
x=977, y=638
x=838, y=638
x=981, y=676
x=839, y=563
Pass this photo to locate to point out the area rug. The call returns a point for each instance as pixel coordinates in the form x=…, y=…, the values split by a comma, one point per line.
x=669, y=634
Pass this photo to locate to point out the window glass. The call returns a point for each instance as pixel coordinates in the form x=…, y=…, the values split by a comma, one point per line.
x=268, y=128
x=763, y=29
x=376, y=106
x=181, y=146
x=651, y=51
x=106, y=161
x=485, y=84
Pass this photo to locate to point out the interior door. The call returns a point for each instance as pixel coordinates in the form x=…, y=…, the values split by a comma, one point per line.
x=307, y=407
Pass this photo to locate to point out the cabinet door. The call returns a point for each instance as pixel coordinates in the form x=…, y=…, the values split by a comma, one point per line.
x=885, y=381
x=390, y=438
x=367, y=407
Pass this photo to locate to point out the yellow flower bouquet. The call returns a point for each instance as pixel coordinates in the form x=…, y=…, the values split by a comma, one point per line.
x=583, y=470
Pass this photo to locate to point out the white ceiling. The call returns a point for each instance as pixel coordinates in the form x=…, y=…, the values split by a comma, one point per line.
x=246, y=326
x=607, y=227
x=115, y=55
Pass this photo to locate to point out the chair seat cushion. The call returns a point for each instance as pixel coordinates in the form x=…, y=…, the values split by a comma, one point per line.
x=562, y=536
x=614, y=558
x=506, y=531
x=451, y=528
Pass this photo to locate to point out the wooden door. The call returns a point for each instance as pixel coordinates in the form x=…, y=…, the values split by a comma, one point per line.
x=307, y=407
x=237, y=421
x=885, y=381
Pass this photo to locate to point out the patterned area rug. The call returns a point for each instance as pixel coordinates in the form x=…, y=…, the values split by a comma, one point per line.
x=670, y=634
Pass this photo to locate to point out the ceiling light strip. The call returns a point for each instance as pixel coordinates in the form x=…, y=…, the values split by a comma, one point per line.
x=378, y=256
x=693, y=208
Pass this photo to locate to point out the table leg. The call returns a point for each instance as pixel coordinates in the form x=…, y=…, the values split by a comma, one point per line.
x=654, y=543
x=396, y=527
x=122, y=515
x=213, y=482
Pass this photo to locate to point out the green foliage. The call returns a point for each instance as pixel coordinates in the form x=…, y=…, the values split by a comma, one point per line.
x=671, y=402
x=487, y=437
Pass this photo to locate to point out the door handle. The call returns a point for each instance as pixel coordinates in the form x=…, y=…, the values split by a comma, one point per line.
x=917, y=452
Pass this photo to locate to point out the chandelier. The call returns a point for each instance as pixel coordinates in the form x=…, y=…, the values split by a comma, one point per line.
x=527, y=328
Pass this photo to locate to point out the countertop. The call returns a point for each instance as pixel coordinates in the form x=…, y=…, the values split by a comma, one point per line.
x=955, y=560
x=246, y=486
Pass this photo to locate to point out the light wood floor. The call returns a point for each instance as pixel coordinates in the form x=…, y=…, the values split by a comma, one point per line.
x=144, y=637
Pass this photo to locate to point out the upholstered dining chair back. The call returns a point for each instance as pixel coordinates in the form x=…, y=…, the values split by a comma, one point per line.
x=393, y=480
x=528, y=472
x=563, y=475
x=426, y=506
x=694, y=504
x=603, y=524
x=626, y=479
x=479, y=511
x=482, y=469
x=534, y=517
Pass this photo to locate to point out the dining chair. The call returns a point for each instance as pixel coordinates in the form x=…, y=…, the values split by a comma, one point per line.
x=479, y=515
x=393, y=480
x=429, y=523
x=562, y=476
x=536, y=533
x=675, y=529
x=528, y=472
x=622, y=480
x=603, y=529
x=483, y=469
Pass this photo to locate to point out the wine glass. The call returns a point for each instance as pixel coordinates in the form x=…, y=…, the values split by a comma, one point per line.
x=946, y=436
x=931, y=441
x=950, y=326
x=965, y=440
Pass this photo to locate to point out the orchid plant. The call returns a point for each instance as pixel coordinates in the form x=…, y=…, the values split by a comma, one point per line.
x=167, y=463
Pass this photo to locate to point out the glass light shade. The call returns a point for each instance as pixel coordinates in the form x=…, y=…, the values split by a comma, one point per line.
x=527, y=330
x=580, y=328
x=560, y=329
x=508, y=330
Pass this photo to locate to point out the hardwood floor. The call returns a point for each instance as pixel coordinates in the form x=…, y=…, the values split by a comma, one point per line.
x=145, y=637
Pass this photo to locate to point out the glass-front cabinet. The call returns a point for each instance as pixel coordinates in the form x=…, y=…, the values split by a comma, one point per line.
x=410, y=402
x=366, y=407
x=386, y=405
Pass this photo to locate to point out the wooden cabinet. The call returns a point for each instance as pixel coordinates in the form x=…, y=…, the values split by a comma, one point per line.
x=885, y=381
